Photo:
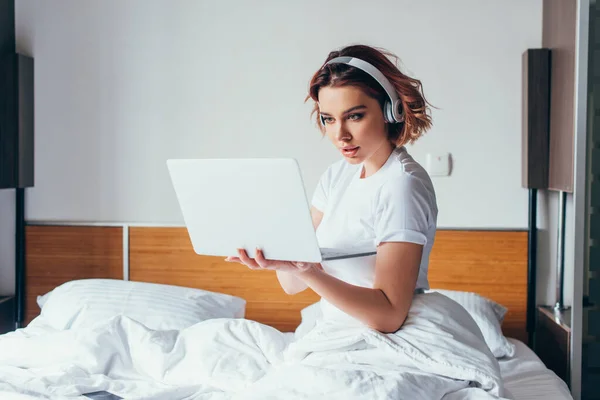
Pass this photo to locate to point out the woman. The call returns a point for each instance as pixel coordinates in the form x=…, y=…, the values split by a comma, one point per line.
x=376, y=195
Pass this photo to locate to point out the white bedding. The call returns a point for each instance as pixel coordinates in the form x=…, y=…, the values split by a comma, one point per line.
x=439, y=354
x=527, y=378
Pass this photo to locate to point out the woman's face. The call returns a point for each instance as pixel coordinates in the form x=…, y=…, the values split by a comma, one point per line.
x=354, y=123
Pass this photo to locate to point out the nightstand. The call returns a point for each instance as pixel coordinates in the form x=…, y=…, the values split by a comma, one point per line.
x=7, y=314
x=553, y=340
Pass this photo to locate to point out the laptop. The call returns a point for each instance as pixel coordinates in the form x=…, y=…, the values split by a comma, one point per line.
x=249, y=203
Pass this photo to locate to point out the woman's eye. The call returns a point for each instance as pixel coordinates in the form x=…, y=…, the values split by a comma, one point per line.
x=354, y=117
x=328, y=120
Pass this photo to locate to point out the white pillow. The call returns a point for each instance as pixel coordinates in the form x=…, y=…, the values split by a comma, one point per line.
x=159, y=307
x=488, y=315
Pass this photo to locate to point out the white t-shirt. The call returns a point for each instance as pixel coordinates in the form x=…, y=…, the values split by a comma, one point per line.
x=395, y=204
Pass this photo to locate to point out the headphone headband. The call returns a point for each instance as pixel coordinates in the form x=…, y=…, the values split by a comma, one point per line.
x=392, y=109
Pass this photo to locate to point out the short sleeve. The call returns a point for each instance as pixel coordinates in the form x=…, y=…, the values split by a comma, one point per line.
x=402, y=210
x=321, y=194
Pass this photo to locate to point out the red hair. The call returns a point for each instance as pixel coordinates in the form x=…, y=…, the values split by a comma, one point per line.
x=416, y=118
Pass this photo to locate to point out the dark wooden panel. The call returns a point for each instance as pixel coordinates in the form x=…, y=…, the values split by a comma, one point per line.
x=16, y=121
x=7, y=314
x=7, y=26
x=25, y=118
x=58, y=254
x=559, y=34
x=535, y=149
x=8, y=122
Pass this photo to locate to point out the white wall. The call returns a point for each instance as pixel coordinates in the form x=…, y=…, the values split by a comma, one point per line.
x=7, y=242
x=122, y=86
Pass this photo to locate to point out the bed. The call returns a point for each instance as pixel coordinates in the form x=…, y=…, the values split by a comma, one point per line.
x=491, y=264
x=527, y=378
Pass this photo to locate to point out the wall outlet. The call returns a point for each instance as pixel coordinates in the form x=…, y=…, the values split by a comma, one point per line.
x=438, y=164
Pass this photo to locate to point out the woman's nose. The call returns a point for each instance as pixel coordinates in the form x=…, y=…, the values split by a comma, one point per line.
x=342, y=133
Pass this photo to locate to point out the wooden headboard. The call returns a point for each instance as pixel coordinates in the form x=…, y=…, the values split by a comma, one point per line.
x=58, y=254
x=491, y=263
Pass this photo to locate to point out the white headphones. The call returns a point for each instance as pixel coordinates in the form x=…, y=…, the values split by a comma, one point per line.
x=392, y=109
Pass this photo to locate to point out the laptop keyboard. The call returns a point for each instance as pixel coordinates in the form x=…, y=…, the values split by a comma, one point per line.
x=332, y=253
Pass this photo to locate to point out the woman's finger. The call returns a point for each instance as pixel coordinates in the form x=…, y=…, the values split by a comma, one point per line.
x=247, y=260
x=272, y=265
x=261, y=260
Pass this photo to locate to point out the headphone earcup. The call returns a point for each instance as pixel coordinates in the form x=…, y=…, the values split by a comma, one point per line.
x=398, y=111
x=388, y=108
x=387, y=112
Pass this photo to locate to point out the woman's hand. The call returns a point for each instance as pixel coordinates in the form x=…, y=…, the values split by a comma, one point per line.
x=260, y=263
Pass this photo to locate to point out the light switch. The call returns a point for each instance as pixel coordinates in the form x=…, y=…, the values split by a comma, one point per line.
x=438, y=164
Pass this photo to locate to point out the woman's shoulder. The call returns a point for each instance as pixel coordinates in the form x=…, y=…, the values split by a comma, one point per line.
x=406, y=169
x=407, y=178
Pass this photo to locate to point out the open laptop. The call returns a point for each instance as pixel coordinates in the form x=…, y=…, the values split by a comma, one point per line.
x=248, y=203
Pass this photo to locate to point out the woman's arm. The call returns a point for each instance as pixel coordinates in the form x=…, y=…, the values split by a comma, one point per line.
x=384, y=307
x=288, y=281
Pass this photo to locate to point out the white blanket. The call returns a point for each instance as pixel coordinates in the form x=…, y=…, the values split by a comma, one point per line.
x=438, y=354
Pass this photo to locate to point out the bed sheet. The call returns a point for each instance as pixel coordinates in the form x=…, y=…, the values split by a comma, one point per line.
x=439, y=353
x=527, y=378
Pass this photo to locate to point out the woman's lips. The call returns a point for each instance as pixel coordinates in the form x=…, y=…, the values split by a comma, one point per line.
x=350, y=151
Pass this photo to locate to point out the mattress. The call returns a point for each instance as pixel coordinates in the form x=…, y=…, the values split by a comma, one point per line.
x=527, y=378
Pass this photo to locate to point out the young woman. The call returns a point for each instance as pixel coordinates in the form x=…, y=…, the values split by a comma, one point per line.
x=376, y=195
